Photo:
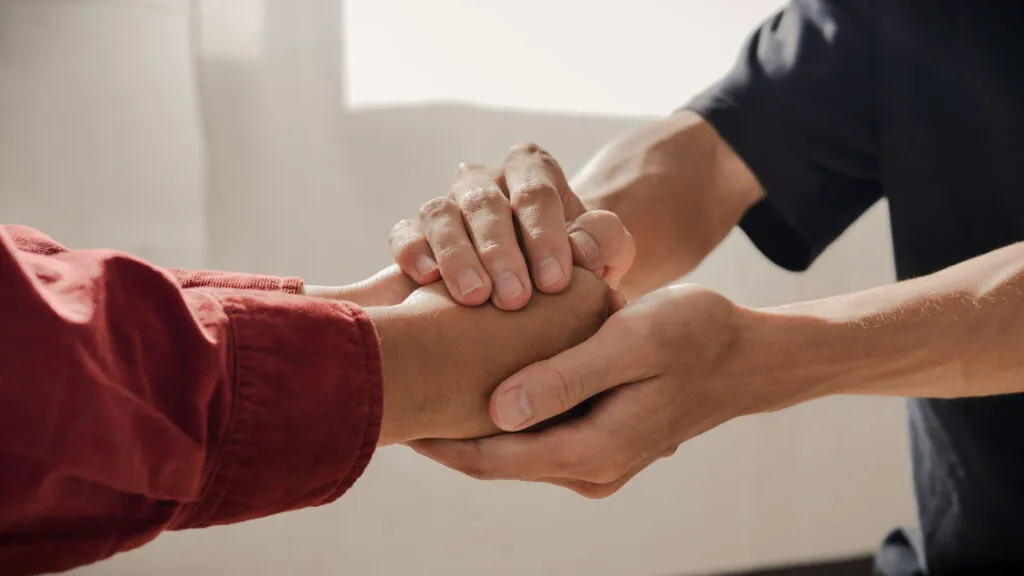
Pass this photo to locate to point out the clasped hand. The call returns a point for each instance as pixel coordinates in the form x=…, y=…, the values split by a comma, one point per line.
x=441, y=360
x=663, y=369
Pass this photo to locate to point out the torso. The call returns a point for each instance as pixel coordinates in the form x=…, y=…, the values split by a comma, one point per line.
x=951, y=127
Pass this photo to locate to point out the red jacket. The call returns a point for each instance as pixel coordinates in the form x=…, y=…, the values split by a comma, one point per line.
x=135, y=400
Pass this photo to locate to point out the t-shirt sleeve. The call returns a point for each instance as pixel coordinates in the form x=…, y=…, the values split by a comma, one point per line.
x=800, y=108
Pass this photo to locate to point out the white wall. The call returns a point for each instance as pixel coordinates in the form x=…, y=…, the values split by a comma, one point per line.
x=99, y=138
x=103, y=141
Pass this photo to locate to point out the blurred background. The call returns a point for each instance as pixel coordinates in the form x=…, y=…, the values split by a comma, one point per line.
x=288, y=136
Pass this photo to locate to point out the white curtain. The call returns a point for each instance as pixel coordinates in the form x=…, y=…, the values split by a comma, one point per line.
x=253, y=135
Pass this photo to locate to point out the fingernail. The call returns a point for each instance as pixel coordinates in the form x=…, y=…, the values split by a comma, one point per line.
x=549, y=272
x=469, y=281
x=425, y=265
x=588, y=247
x=509, y=286
x=513, y=409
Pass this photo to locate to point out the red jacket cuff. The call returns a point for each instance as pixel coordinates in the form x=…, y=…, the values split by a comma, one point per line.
x=237, y=280
x=307, y=408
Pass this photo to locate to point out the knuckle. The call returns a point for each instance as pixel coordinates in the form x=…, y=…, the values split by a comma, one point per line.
x=401, y=226
x=466, y=168
x=407, y=250
x=476, y=466
x=534, y=193
x=494, y=253
x=478, y=472
x=525, y=148
x=438, y=208
x=403, y=247
x=601, y=219
x=592, y=465
x=550, y=163
x=482, y=199
x=603, y=474
x=450, y=254
x=403, y=243
x=605, y=216
x=605, y=228
x=569, y=388
x=596, y=491
x=534, y=153
x=535, y=234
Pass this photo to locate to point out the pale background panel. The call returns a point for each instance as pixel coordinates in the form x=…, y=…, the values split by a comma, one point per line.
x=288, y=136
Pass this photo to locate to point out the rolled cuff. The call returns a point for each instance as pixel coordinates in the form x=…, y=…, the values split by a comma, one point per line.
x=239, y=281
x=308, y=401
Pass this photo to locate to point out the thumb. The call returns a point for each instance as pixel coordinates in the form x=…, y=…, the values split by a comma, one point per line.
x=551, y=387
x=600, y=243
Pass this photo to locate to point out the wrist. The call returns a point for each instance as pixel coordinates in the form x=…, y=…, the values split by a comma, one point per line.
x=783, y=359
x=442, y=361
x=951, y=334
x=859, y=343
x=402, y=347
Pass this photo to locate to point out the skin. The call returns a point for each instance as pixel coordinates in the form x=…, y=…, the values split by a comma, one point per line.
x=436, y=384
x=527, y=198
x=681, y=360
x=389, y=287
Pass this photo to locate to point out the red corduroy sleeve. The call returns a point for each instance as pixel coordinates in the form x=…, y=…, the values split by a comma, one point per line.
x=30, y=240
x=133, y=402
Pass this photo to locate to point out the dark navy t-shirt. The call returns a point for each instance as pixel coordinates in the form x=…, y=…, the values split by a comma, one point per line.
x=835, y=104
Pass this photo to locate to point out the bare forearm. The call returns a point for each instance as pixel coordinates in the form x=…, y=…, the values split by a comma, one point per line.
x=678, y=188
x=441, y=360
x=956, y=333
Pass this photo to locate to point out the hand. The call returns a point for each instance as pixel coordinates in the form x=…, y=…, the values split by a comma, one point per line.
x=664, y=369
x=442, y=360
x=385, y=288
x=471, y=237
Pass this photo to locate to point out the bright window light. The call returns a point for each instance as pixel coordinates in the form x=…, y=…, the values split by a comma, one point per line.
x=638, y=57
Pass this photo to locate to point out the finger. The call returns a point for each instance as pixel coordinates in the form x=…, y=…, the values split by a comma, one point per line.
x=599, y=490
x=601, y=244
x=550, y=387
x=536, y=188
x=561, y=451
x=616, y=301
x=504, y=457
x=598, y=448
x=445, y=231
x=636, y=447
x=412, y=252
x=488, y=217
x=388, y=287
